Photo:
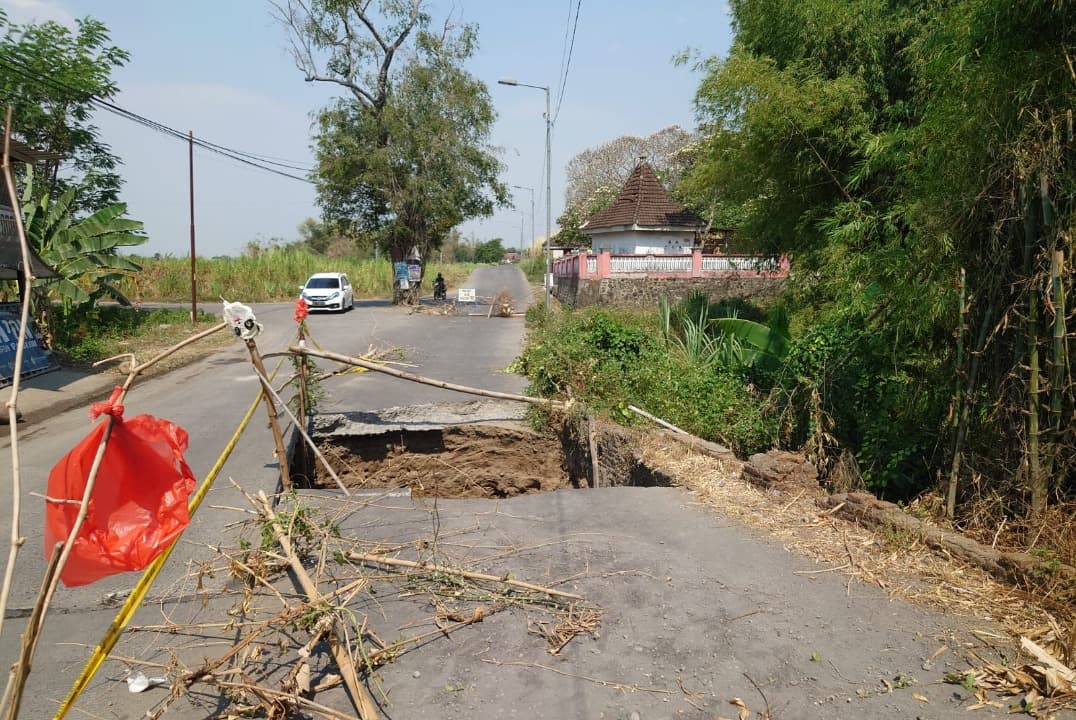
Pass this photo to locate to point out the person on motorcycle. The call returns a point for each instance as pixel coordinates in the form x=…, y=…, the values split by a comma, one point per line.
x=439, y=290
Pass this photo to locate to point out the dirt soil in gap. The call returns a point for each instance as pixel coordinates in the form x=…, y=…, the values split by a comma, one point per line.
x=456, y=462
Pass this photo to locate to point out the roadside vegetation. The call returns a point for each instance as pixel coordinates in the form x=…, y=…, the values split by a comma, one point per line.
x=677, y=365
x=271, y=275
x=88, y=335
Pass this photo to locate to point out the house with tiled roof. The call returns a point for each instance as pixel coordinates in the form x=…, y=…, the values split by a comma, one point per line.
x=645, y=246
x=643, y=220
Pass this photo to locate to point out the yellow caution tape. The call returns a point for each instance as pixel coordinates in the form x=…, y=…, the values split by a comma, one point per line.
x=149, y=575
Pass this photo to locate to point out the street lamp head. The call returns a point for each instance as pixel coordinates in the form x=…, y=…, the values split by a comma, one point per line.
x=507, y=81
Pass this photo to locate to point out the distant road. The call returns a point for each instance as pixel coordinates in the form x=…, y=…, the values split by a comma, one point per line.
x=488, y=281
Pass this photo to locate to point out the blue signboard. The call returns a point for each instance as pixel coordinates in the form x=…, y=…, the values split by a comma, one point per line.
x=35, y=359
x=399, y=270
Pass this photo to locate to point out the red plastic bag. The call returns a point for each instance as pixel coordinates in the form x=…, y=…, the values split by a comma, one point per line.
x=138, y=505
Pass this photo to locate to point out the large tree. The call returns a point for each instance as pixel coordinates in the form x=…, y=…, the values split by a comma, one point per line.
x=51, y=76
x=596, y=171
x=404, y=154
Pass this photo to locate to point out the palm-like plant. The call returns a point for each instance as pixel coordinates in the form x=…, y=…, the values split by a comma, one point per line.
x=729, y=342
x=83, y=252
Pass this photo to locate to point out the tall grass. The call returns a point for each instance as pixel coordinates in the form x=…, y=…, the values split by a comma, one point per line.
x=533, y=267
x=273, y=275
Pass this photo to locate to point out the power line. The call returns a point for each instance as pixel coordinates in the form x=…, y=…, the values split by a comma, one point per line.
x=21, y=68
x=568, y=64
x=564, y=45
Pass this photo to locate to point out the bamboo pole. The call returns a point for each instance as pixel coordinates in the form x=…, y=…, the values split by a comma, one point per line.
x=274, y=421
x=17, y=540
x=364, y=704
x=21, y=669
x=969, y=387
x=1035, y=480
x=303, y=377
x=444, y=569
x=958, y=398
x=347, y=359
x=592, y=444
x=1060, y=356
x=658, y=420
x=305, y=436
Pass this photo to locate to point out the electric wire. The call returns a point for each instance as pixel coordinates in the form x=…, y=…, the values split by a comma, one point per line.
x=564, y=44
x=568, y=64
x=19, y=67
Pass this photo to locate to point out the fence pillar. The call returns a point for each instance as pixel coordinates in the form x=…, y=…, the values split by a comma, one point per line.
x=605, y=264
x=786, y=266
x=696, y=263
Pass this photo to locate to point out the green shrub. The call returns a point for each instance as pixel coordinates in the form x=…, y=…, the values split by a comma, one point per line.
x=885, y=406
x=611, y=359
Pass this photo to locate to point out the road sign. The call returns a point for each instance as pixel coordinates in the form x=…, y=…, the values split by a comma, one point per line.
x=466, y=295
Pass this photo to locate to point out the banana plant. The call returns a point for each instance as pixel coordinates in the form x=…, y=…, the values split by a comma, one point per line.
x=759, y=345
x=724, y=341
x=83, y=251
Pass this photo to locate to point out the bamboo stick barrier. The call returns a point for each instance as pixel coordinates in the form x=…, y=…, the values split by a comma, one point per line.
x=658, y=420
x=17, y=539
x=270, y=409
x=364, y=704
x=348, y=360
x=21, y=669
x=397, y=562
x=307, y=440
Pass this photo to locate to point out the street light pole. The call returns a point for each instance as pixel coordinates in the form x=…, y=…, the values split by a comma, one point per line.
x=524, y=187
x=547, y=281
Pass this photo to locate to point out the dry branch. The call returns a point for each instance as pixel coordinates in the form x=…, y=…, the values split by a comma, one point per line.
x=1040, y=654
x=347, y=359
x=379, y=560
x=1011, y=566
x=364, y=704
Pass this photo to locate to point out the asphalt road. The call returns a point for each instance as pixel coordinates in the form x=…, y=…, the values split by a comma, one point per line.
x=697, y=610
x=209, y=399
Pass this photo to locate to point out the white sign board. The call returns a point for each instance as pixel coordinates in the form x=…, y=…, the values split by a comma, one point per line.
x=465, y=295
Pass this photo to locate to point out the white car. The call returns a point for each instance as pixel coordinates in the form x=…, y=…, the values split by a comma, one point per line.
x=328, y=291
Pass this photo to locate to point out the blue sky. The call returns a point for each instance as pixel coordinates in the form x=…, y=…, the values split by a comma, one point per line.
x=222, y=69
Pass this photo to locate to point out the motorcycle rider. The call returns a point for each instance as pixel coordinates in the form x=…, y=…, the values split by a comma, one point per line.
x=439, y=290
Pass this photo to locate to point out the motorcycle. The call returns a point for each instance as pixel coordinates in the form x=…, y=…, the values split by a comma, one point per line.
x=439, y=290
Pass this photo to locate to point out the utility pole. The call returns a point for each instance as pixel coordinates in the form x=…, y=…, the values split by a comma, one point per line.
x=194, y=272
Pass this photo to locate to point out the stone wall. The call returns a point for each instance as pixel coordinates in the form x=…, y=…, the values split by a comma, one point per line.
x=647, y=292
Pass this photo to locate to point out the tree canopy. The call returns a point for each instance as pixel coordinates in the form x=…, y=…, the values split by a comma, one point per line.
x=404, y=155
x=51, y=75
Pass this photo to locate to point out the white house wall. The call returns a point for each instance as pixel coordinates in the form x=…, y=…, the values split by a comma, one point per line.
x=633, y=242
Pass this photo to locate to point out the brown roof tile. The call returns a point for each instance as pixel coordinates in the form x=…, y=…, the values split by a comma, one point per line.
x=643, y=202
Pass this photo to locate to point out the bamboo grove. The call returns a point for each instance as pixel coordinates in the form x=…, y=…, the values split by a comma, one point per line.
x=916, y=160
